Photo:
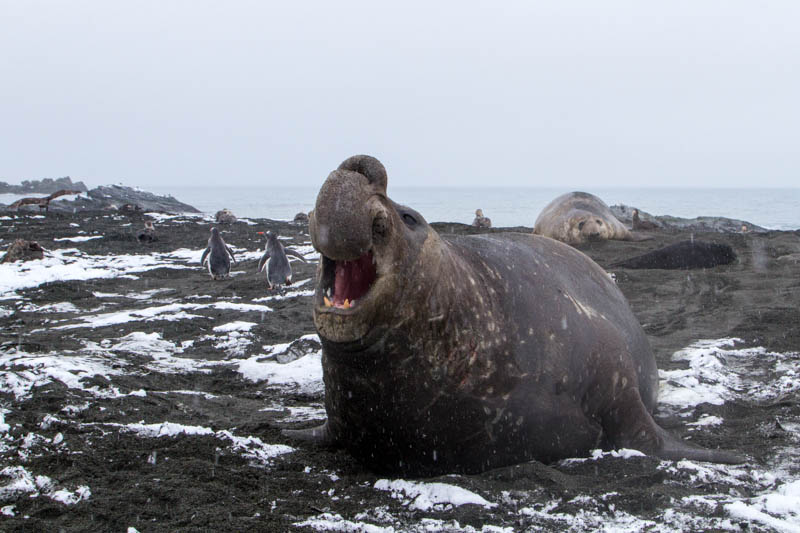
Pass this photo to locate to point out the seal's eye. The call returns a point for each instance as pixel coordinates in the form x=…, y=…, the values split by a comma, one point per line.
x=580, y=225
x=599, y=222
x=409, y=220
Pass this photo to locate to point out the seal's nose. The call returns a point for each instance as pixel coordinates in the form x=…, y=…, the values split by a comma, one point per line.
x=341, y=225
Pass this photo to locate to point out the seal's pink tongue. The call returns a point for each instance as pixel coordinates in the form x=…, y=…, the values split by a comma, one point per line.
x=353, y=279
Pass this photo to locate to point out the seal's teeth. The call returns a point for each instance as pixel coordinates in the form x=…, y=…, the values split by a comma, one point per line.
x=346, y=304
x=327, y=302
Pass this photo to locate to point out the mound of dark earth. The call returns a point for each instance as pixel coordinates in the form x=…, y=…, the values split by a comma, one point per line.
x=137, y=393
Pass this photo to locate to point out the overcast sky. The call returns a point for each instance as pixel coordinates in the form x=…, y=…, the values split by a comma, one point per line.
x=561, y=93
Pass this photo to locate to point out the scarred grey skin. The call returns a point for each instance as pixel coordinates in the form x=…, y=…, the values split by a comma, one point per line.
x=275, y=262
x=578, y=217
x=472, y=352
x=216, y=256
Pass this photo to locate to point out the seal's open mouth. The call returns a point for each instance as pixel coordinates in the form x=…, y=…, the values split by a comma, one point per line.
x=344, y=283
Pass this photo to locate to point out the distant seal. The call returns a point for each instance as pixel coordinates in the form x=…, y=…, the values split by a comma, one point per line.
x=301, y=218
x=275, y=262
x=638, y=224
x=215, y=257
x=225, y=216
x=42, y=202
x=578, y=217
x=148, y=234
x=481, y=221
x=22, y=250
x=453, y=358
x=684, y=255
x=131, y=209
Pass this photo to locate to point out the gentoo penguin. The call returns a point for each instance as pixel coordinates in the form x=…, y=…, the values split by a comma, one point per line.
x=219, y=264
x=274, y=260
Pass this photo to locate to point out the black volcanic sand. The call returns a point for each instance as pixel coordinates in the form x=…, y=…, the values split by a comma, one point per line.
x=198, y=484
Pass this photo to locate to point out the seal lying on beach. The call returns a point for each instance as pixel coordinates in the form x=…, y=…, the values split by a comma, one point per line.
x=216, y=256
x=225, y=216
x=148, y=234
x=578, y=217
x=684, y=255
x=638, y=224
x=42, y=202
x=481, y=221
x=465, y=353
x=22, y=250
x=274, y=260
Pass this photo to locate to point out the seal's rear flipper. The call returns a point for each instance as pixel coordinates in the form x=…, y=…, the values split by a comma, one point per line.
x=319, y=435
x=630, y=425
x=675, y=449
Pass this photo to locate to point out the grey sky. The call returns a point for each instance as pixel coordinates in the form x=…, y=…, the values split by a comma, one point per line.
x=678, y=93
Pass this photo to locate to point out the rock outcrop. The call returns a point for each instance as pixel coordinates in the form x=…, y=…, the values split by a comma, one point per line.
x=716, y=224
x=44, y=186
x=124, y=199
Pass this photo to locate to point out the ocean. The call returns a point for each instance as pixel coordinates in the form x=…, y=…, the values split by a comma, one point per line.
x=510, y=206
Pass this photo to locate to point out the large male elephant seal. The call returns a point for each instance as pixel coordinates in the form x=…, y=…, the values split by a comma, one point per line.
x=578, y=217
x=465, y=353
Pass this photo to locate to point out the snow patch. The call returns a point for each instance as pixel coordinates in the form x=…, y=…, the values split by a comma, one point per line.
x=20, y=372
x=79, y=239
x=597, y=454
x=251, y=447
x=718, y=372
x=235, y=326
x=304, y=374
x=152, y=345
x=23, y=482
x=427, y=496
x=59, y=307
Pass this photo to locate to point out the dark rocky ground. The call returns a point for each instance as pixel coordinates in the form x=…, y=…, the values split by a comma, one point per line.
x=102, y=198
x=43, y=186
x=198, y=483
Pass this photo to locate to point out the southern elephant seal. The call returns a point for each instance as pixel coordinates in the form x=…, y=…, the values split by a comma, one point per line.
x=215, y=256
x=638, y=224
x=148, y=234
x=22, y=250
x=481, y=221
x=225, y=216
x=578, y=217
x=464, y=353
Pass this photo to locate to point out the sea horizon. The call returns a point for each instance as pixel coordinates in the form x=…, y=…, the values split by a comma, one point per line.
x=509, y=206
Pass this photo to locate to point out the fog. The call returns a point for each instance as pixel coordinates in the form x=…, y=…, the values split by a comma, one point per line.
x=538, y=94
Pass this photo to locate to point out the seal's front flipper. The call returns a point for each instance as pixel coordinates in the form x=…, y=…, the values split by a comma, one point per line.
x=319, y=435
x=628, y=424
